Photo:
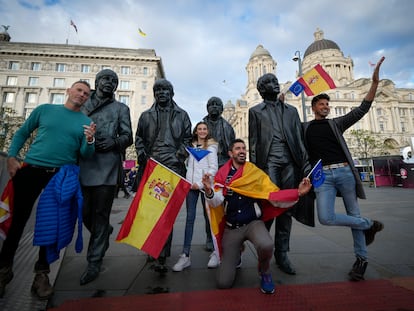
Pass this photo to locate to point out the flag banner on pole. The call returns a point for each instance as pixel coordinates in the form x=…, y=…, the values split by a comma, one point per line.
x=141, y=32
x=313, y=82
x=317, y=174
x=74, y=26
x=153, y=211
x=6, y=209
x=252, y=182
x=197, y=153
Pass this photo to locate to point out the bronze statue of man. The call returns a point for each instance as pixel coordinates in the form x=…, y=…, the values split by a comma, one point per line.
x=163, y=132
x=276, y=146
x=219, y=128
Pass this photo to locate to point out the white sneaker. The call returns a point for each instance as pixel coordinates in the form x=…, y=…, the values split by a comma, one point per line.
x=214, y=261
x=182, y=263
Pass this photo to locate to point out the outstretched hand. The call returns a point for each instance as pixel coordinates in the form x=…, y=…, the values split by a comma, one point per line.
x=304, y=186
x=375, y=75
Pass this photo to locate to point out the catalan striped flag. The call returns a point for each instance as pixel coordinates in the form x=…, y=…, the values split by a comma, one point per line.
x=153, y=211
x=252, y=182
x=6, y=209
x=313, y=82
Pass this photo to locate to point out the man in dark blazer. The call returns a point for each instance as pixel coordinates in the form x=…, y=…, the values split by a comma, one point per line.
x=276, y=146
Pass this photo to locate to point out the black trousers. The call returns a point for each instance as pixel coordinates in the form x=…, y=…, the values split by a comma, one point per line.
x=284, y=177
x=28, y=183
x=97, y=206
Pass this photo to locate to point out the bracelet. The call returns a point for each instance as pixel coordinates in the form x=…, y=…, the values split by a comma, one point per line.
x=92, y=141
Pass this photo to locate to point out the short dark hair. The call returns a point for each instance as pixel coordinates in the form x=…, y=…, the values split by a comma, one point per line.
x=82, y=82
x=318, y=97
x=237, y=140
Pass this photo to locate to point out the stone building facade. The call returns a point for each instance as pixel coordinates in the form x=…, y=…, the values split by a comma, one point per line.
x=391, y=118
x=36, y=73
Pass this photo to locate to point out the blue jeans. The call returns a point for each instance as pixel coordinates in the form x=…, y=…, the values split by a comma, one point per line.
x=342, y=180
x=191, y=204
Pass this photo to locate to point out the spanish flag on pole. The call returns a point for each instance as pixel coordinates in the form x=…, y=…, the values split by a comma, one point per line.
x=153, y=211
x=249, y=181
x=313, y=82
x=6, y=209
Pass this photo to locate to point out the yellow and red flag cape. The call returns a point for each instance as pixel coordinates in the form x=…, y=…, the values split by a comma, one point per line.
x=252, y=182
x=153, y=211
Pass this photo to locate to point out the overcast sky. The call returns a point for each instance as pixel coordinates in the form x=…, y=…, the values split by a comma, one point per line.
x=203, y=43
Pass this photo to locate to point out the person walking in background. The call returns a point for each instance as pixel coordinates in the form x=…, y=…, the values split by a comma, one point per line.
x=242, y=213
x=276, y=146
x=325, y=141
x=205, y=149
x=219, y=128
x=63, y=134
x=163, y=133
x=99, y=174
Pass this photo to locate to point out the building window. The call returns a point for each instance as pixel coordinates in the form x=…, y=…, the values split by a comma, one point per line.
x=11, y=81
x=33, y=81
x=9, y=97
x=85, y=68
x=31, y=98
x=105, y=67
x=124, y=85
x=339, y=111
x=410, y=96
x=61, y=67
x=125, y=70
x=144, y=85
x=352, y=95
x=86, y=80
x=379, y=112
x=145, y=71
x=36, y=66
x=337, y=95
x=124, y=99
x=59, y=82
x=381, y=126
x=14, y=65
x=402, y=127
x=143, y=100
x=402, y=111
x=57, y=98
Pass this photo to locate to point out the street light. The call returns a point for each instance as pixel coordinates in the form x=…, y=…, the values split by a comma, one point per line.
x=297, y=58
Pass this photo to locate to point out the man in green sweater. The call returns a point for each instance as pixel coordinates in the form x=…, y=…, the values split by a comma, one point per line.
x=63, y=133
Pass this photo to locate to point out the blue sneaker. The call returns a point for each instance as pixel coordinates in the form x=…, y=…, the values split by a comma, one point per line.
x=266, y=284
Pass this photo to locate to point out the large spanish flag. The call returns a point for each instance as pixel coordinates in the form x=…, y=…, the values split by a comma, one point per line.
x=153, y=211
x=313, y=82
x=252, y=182
x=6, y=209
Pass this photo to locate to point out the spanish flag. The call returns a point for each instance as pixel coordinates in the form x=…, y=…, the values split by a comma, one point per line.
x=249, y=181
x=153, y=211
x=6, y=209
x=313, y=82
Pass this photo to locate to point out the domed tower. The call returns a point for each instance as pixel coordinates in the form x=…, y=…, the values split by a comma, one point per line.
x=328, y=54
x=260, y=62
x=4, y=35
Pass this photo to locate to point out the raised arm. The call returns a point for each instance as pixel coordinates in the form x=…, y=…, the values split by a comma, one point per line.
x=375, y=80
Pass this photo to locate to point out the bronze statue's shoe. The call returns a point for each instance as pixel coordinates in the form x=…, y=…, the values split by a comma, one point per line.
x=90, y=274
x=284, y=264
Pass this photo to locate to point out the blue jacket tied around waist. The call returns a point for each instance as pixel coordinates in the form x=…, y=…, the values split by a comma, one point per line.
x=59, y=207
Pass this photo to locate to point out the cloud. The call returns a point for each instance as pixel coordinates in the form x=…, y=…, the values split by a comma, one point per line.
x=202, y=43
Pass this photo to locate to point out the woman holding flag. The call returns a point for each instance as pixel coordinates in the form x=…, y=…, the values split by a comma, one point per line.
x=202, y=159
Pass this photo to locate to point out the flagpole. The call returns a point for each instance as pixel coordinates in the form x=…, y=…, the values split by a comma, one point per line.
x=316, y=165
x=171, y=171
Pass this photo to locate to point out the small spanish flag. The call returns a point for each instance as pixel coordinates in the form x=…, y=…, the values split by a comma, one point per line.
x=313, y=82
x=141, y=32
x=153, y=211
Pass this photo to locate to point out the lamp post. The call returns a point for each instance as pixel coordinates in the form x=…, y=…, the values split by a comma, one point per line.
x=297, y=58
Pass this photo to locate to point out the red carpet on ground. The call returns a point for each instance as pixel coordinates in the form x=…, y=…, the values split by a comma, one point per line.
x=364, y=296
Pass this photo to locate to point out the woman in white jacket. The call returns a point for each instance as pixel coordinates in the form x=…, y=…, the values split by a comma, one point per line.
x=196, y=168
